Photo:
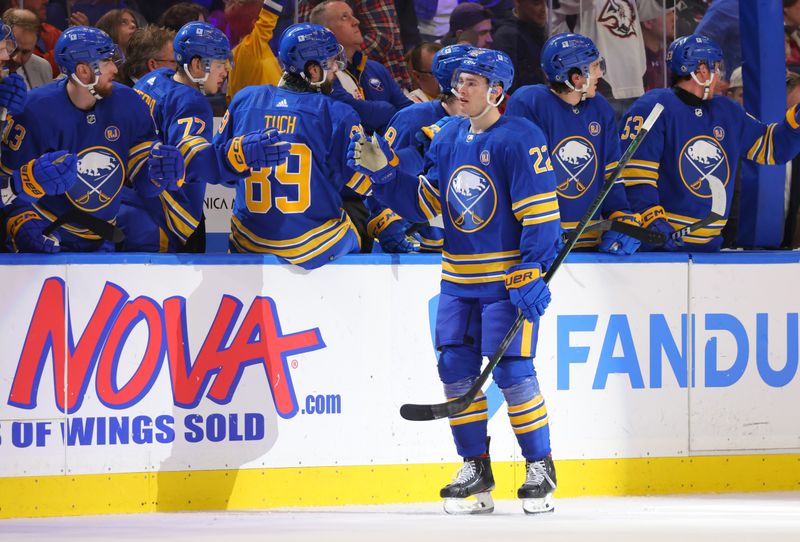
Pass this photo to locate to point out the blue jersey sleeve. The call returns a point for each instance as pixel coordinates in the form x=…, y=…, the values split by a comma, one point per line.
x=345, y=123
x=768, y=144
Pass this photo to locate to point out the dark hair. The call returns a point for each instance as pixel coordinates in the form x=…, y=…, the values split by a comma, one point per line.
x=145, y=43
x=180, y=14
x=562, y=88
x=788, y=3
x=111, y=21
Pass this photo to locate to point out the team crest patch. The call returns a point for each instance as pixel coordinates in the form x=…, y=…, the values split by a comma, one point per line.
x=719, y=133
x=471, y=199
x=619, y=17
x=485, y=158
x=575, y=166
x=701, y=159
x=594, y=128
x=112, y=133
x=100, y=176
x=375, y=83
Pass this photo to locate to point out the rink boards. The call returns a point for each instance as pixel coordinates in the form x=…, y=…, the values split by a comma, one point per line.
x=165, y=382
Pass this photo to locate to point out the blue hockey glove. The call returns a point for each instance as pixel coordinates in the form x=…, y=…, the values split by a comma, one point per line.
x=372, y=156
x=527, y=290
x=618, y=243
x=166, y=170
x=427, y=133
x=25, y=231
x=390, y=231
x=13, y=93
x=655, y=219
x=50, y=174
x=256, y=150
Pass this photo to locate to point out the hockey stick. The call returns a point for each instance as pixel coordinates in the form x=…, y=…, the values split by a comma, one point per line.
x=719, y=203
x=106, y=230
x=631, y=230
x=443, y=410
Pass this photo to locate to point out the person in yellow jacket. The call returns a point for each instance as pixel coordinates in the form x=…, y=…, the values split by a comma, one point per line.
x=254, y=63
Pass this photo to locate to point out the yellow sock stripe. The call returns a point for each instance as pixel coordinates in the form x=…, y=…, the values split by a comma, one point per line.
x=475, y=412
x=531, y=427
x=531, y=404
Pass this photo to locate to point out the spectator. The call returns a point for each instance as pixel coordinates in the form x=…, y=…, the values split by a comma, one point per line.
x=434, y=18
x=35, y=70
x=470, y=23
x=522, y=38
x=381, y=40
x=254, y=63
x=420, y=66
x=365, y=85
x=735, y=88
x=150, y=48
x=120, y=24
x=409, y=26
x=791, y=27
x=48, y=35
x=180, y=14
x=657, y=34
x=688, y=14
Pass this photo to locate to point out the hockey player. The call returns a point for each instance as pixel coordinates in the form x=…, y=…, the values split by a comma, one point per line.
x=412, y=128
x=294, y=211
x=183, y=117
x=501, y=221
x=699, y=136
x=582, y=135
x=52, y=173
x=106, y=126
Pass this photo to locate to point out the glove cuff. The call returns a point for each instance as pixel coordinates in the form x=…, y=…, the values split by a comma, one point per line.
x=376, y=226
x=791, y=117
x=624, y=216
x=521, y=274
x=235, y=154
x=25, y=185
x=652, y=214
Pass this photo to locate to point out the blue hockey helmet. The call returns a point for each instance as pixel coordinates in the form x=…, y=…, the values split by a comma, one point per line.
x=445, y=62
x=203, y=40
x=564, y=52
x=496, y=66
x=687, y=53
x=85, y=45
x=305, y=42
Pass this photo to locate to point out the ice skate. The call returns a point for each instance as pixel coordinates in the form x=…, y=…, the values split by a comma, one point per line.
x=537, y=491
x=469, y=493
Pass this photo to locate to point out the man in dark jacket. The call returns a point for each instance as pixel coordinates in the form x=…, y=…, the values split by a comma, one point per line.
x=521, y=38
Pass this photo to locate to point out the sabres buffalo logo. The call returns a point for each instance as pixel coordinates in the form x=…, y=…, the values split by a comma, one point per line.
x=619, y=17
x=100, y=176
x=575, y=166
x=701, y=159
x=471, y=199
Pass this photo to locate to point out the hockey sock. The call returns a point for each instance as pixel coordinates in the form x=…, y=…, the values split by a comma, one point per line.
x=528, y=416
x=469, y=427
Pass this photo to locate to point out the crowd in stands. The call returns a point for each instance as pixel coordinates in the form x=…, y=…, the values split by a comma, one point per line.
x=390, y=44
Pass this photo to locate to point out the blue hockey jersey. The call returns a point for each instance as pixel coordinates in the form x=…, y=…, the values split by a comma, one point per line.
x=294, y=210
x=401, y=134
x=183, y=118
x=584, y=147
x=667, y=176
x=497, y=196
x=112, y=142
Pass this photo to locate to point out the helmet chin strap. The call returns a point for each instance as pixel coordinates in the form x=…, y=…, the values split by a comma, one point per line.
x=489, y=104
x=89, y=86
x=200, y=81
x=584, y=89
x=706, y=86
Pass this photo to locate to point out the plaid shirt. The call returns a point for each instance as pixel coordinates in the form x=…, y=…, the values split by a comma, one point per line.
x=381, y=31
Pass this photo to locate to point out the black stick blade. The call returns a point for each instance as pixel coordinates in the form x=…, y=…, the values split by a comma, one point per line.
x=421, y=413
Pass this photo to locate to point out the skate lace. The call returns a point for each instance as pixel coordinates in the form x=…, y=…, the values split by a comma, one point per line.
x=465, y=473
x=537, y=472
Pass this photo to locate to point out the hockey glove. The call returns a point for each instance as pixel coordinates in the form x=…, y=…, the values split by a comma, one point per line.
x=427, y=133
x=655, y=219
x=166, y=169
x=257, y=150
x=390, y=231
x=25, y=231
x=50, y=174
x=13, y=93
x=527, y=290
x=618, y=243
x=372, y=156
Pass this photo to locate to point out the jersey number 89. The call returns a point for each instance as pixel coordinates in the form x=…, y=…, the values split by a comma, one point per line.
x=258, y=188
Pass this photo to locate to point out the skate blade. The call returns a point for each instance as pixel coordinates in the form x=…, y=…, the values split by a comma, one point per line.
x=482, y=503
x=539, y=506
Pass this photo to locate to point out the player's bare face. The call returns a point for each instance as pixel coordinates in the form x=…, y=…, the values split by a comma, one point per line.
x=218, y=72
x=595, y=72
x=6, y=48
x=703, y=74
x=471, y=90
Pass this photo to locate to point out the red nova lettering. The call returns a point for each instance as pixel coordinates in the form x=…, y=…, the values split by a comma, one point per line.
x=259, y=340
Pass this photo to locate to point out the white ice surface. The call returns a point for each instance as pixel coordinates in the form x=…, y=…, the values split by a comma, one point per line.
x=727, y=518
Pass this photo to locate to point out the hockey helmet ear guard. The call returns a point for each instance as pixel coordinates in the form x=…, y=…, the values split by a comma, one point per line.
x=305, y=42
x=445, y=62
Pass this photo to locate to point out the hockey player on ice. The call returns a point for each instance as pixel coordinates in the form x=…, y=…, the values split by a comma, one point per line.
x=699, y=137
x=582, y=137
x=499, y=239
